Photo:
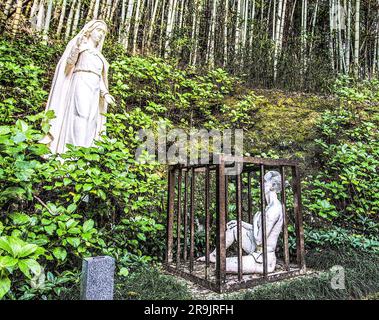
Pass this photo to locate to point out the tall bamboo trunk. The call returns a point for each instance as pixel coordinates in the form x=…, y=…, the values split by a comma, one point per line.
x=277, y=24
x=128, y=21
x=274, y=20
x=331, y=33
x=237, y=38
x=76, y=19
x=122, y=19
x=181, y=13
x=304, y=28
x=356, y=38
x=245, y=21
x=61, y=18
x=17, y=17
x=170, y=26
x=162, y=29
x=251, y=33
x=313, y=32
x=193, y=32
x=211, y=36
x=104, y=8
x=69, y=20
x=113, y=10
x=341, y=58
x=32, y=15
x=226, y=16
x=108, y=10
x=146, y=15
x=197, y=34
x=291, y=22
x=40, y=16
x=152, y=24
x=136, y=26
x=90, y=10
x=96, y=9
x=47, y=20
x=348, y=37
x=282, y=22
x=7, y=8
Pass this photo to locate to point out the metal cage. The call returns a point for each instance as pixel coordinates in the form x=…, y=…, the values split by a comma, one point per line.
x=181, y=221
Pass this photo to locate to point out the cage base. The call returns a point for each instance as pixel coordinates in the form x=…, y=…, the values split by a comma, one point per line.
x=231, y=282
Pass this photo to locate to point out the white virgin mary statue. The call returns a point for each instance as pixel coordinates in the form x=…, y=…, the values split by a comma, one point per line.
x=79, y=93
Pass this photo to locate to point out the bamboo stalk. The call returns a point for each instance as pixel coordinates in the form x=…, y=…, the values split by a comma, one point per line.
x=61, y=18
x=47, y=21
x=17, y=17
x=357, y=37
x=69, y=20
x=76, y=19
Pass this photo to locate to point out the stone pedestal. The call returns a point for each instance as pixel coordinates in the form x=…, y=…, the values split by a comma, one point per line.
x=97, y=278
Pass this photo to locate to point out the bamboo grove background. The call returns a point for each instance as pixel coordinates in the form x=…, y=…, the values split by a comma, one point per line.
x=291, y=44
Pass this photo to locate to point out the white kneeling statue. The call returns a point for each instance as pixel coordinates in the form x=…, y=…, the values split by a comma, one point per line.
x=79, y=93
x=252, y=233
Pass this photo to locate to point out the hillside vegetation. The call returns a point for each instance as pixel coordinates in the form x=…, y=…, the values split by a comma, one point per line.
x=47, y=227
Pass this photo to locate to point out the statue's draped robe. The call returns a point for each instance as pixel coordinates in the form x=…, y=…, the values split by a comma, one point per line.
x=84, y=100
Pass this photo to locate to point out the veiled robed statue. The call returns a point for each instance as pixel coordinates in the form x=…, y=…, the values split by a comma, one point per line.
x=79, y=93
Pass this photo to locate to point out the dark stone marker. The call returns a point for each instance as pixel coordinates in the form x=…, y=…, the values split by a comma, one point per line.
x=97, y=278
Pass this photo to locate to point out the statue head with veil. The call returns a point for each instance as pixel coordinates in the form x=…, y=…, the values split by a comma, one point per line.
x=79, y=93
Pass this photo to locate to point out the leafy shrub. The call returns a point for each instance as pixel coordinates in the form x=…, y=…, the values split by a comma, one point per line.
x=22, y=77
x=43, y=201
x=321, y=239
x=345, y=189
x=63, y=286
x=160, y=87
x=17, y=255
x=354, y=90
x=240, y=113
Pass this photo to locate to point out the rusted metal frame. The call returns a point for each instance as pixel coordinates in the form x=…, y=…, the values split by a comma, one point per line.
x=200, y=167
x=197, y=167
x=200, y=281
x=259, y=281
x=220, y=224
x=239, y=223
x=226, y=197
x=250, y=168
x=170, y=214
x=185, y=214
x=250, y=283
x=285, y=222
x=263, y=220
x=298, y=218
x=178, y=219
x=207, y=223
x=192, y=219
x=260, y=161
x=249, y=200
